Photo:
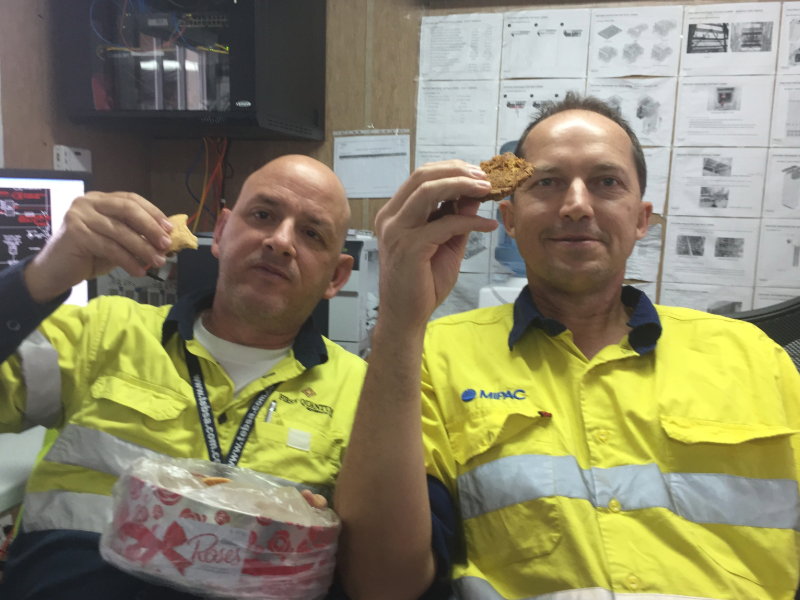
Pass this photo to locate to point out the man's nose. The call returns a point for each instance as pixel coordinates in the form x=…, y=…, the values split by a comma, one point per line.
x=281, y=239
x=577, y=201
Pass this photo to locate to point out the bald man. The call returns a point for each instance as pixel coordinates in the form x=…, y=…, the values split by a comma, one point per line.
x=114, y=377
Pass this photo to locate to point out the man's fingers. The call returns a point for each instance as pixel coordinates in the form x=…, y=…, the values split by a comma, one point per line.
x=138, y=214
x=98, y=224
x=115, y=254
x=315, y=500
x=425, y=199
x=443, y=230
x=431, y=172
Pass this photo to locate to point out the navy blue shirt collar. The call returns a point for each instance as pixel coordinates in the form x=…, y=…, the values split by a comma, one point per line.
x=309, y=346
x=644, y=322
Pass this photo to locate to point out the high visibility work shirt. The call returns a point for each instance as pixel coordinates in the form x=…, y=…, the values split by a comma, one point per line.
x=666, y=465
x=112, y=376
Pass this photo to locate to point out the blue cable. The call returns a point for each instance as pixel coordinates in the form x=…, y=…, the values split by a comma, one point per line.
x=188, y=173
x=178, y=29
x=91, y=22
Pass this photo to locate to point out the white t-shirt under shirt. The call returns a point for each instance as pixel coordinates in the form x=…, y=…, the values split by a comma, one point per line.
x=243, y=364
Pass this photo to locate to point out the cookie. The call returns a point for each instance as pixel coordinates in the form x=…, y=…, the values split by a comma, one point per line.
x=180, y=237
x=505, y=173
x=209, y=481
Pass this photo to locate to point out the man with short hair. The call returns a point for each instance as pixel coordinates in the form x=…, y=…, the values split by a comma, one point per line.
x=114, y=376
x=579, y=443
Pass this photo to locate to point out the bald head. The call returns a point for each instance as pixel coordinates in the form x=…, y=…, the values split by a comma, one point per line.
x=304, y=176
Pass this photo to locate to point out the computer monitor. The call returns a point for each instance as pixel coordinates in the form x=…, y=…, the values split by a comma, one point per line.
x=32, y=206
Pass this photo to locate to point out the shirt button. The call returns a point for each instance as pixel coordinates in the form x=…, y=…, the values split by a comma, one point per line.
x=633, y=582
x=13, y=325
x=614, y=506
x=603, y=435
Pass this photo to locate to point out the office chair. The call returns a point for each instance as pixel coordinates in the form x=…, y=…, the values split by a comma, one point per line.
x=780, y=322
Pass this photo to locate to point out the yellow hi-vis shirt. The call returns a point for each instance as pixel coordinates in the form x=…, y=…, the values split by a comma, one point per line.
x=112, y=377
x=666, y=469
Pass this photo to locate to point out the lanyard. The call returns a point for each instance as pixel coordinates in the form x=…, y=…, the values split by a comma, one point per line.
x=207, y=418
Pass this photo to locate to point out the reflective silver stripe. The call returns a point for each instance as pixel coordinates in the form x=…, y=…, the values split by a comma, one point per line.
x=101, y=451
x=58, y=509
x=475, y=588
x=697, y=497
x=42, y=377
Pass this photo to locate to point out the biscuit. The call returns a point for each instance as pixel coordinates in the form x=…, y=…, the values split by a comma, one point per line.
x=180, y=237
x=505, y=173
x=209, y=481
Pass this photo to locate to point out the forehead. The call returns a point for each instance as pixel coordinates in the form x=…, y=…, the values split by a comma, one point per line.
x=578, y=137
x=290, y=189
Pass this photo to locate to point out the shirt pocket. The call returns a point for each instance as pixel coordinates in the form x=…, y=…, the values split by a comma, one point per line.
x=506, y=484
x=735, y=487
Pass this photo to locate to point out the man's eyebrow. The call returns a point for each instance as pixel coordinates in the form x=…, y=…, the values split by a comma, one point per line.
x=314, y=220
x=609, y=166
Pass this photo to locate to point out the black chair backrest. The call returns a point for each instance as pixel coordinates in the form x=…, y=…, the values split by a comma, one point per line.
x=781, y=322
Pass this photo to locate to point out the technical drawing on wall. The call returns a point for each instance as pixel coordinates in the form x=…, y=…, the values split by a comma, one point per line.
x=707, y=37
x=729, y=247
x=790, y=196
x=794, y=42
x=637, y=30
x=724, y=98
x=714, y=197
x=691, y=245
x=659, y=53
x=632, y=51
x=648, y=111
x=609, y=32
x=24, y=223
x=793, y=114
x=664, y=26
x=751, y=37
x=607, y=53
x=717, y=167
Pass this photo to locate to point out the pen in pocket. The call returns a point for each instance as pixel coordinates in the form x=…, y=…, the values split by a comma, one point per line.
x=271, y=410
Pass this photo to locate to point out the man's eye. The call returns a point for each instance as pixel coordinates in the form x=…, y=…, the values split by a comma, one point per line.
x=312, y=234
x=261, y=214
x=546, y=182
x=609, y=181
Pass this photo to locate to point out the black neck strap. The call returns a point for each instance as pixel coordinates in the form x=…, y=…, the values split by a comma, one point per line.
x=207, y=416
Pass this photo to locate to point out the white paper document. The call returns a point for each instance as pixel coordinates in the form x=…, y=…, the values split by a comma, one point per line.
x=643, y=262
x=648, y=288
x=635, y=40
x=545, y=43
x=464, y=295
x=703, y=249
x=657, y=160
x=460, y=46
x=479, y=246
x=782, y=191
x=733, y=38
x=457, y=113
x=521, y=99
x=785, y=130
x=724, y=111
x=647, y=104
x=371, y=166
x=715, y=299
x=769, y=296
x=471, y=154
x=779, y=254
x=789, y=46
x=717, y=182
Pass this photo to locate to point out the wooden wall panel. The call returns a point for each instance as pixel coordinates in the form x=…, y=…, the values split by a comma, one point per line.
x=32, y=123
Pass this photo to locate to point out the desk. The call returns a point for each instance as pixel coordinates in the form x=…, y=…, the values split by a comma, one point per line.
x=17, y=457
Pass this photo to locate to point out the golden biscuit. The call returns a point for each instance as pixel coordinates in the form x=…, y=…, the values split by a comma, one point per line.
x=505, y=173
x=180, y=237
x=209, y=481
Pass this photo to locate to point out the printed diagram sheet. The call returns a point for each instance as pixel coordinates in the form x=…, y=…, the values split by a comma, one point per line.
x=460, y=46
x=782, y=192
x=717, y=182
x=723, y=111
x=702, y=249
x=25, y=223
x=643, y=263
x=371, y=166
x=545, y=43
x=657, y=160
x=779, y=254
x=471, y=154
x=647, y=104
x=457, y=113
x=789, y=48
x=715, y=299
x=786, y=112
x=521, y=99
x=734, y=38
x=768, y=296
x=635, y=40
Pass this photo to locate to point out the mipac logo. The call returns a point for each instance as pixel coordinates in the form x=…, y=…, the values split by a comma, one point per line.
x=469, y=394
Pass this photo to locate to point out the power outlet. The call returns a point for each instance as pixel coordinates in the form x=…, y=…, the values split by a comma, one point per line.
x=71, y=159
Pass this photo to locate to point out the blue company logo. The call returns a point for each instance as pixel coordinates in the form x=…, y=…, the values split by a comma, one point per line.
x=470, y=394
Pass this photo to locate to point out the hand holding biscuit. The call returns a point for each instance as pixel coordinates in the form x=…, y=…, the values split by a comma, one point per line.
x=101, y=231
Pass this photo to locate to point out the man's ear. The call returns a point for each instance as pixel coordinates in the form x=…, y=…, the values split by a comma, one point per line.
x=340, y=276
x=507, y=212
x=643, y=220
x=222, y=220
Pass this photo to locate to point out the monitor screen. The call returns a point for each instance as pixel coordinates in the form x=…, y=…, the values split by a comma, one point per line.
x=32, y=207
